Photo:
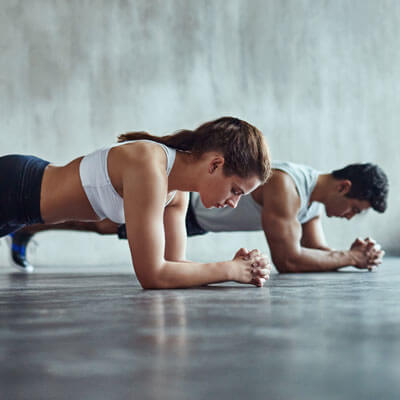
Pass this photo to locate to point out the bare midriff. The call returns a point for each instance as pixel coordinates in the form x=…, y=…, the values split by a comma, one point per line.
x=62, y=196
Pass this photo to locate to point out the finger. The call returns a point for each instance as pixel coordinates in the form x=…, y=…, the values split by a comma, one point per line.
x=261, y=260
x=259, y=282
x=377, y=247
x=242, y=252
x=375, y=262
x=375, y=254
x=266, y=266
x=262, y=281
x=370, y=245
x=378, y=253
x=254, y=253
x=263, y=272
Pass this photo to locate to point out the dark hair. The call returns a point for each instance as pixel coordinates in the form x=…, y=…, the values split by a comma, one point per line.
x=368, y=182
x=243, y=146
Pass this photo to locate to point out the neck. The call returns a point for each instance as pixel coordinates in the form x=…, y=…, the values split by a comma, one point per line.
x=185, y=173
x=322, y=188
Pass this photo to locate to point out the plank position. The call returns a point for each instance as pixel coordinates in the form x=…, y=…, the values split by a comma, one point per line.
x=144, y=181
x=288, y=209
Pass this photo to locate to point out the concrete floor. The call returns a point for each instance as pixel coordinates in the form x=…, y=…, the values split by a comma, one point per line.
x=94, y=334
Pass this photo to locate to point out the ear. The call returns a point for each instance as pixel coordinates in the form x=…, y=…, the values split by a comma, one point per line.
x=216, y=162
x=344, y=186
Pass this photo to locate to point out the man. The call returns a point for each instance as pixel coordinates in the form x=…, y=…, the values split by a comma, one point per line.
x=288, y=209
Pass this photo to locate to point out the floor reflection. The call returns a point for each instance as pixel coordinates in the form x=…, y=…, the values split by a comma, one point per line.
x=168, y=339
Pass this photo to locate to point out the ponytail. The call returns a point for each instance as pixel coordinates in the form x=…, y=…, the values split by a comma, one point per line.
x=182, y=140
x=243, y=146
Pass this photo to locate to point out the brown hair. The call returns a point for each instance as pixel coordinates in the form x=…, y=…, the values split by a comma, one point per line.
x=243, y=146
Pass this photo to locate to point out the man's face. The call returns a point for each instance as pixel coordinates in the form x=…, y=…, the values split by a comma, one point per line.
x=345, y=207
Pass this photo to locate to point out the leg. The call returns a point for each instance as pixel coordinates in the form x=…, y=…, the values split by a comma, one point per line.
x=104, y=227
x=19, y=240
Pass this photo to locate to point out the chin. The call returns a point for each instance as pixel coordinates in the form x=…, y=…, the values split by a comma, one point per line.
x=205, y=203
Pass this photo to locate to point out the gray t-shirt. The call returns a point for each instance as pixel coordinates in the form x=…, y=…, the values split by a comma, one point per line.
x=247, y=215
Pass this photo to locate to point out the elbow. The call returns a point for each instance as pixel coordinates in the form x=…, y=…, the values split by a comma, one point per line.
x=286, y=264
x=151, y=283
x=149, y=274
x=152, y=280
x=147, y=284
x=150, y=286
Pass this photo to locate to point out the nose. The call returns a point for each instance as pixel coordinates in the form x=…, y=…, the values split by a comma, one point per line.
x=232, y=202
x=349, y=215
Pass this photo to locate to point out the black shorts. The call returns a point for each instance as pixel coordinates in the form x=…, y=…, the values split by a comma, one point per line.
x=20, y=186
x=192, y=226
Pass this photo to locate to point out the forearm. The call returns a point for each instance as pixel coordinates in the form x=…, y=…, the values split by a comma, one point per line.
x=185, y=274
x=314, y=260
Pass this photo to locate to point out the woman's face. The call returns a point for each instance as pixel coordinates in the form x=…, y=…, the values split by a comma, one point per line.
x=219, y=190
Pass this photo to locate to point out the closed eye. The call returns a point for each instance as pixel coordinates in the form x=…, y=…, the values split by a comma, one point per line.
x=237, y=191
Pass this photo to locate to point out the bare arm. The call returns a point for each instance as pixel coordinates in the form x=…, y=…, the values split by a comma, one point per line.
x=175, y=227
x=313, y=236
x=281, y=204
x=145, y=192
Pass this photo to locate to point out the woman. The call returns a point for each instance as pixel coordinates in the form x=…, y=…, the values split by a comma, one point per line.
x=142, y=181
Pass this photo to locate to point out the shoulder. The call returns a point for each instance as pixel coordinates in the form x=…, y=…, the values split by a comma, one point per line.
x=143, y=151
x=280, y=182
x=141, y=158
x=280, y=194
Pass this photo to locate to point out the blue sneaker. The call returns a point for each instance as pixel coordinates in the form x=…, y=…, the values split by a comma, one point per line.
x=18, y=243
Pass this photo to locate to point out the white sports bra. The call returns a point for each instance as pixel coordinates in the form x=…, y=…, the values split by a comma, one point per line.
x=104, y=199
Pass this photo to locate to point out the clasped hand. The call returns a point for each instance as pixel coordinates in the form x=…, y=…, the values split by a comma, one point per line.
x=366, y=253
x=251, y=267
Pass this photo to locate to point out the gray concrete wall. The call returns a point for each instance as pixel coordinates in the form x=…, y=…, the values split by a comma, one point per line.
x=320, y=78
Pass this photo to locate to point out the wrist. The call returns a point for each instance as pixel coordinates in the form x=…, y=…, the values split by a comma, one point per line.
x=229, y=268
x=224, y=269
x=352, y=257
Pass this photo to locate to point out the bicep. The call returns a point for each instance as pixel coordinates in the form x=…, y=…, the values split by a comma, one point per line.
x=175, y=228
x=279, y=218
x=283, y=234
x=313, y=235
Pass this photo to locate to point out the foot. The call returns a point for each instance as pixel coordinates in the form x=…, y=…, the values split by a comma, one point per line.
x=18, y=244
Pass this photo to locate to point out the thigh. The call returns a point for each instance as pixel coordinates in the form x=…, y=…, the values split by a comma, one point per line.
x=11, y=175
x=20, y=184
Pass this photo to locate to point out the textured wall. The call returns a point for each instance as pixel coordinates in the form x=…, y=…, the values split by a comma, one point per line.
x=321, y=79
